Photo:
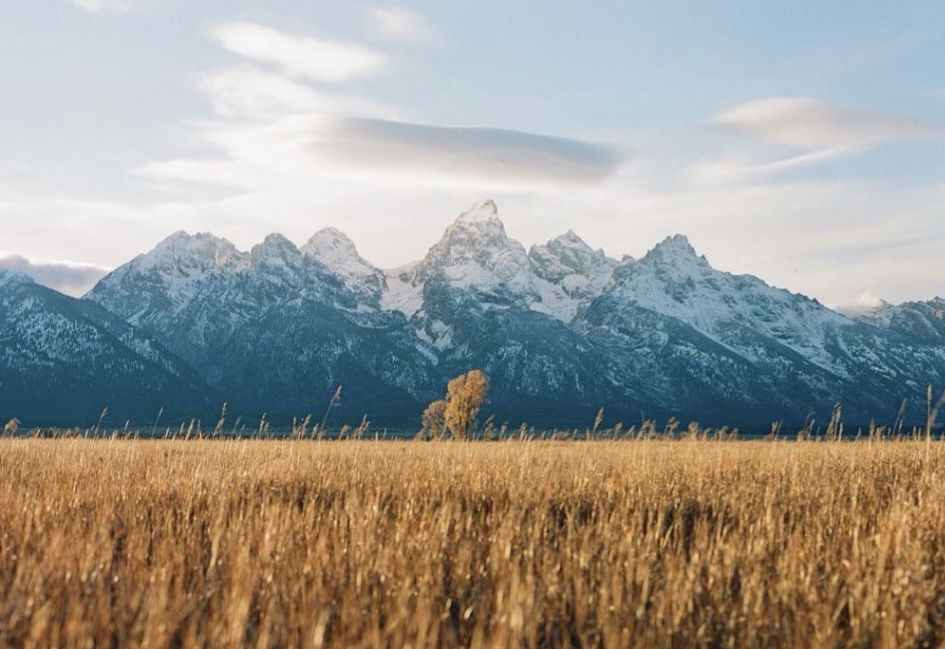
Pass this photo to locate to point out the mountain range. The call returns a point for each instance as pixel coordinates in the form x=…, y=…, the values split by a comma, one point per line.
x=561, y=329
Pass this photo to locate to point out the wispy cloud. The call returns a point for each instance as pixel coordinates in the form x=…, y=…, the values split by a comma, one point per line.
x=101, y=6
x=248, y=92
x=813, y=125
x=811, y=129
x=299, y=56
x=398, y=24
x=63, y=276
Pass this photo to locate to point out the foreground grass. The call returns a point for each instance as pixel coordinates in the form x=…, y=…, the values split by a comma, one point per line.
x=524, y=544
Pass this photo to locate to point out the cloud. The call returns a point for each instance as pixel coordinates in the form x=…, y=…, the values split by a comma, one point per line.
x=815, y=130
x=377, y=151
x=399, y=24
x=401, y=147
x=272, y=130
x=813, y=125
x=101, y=6
x=299, y=56
x=736, y=167
x=63, y=276
x=863, y=303
x=252, y=93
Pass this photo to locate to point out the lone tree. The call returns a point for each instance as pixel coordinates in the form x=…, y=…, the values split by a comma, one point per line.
x=465, y=395
x=456, y=412
x=432, y=421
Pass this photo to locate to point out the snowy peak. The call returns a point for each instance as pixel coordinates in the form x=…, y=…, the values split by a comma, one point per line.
x=569, y=274
x=336, y=251
x=331, y=243
x=275, y=249
x=570, y=239
x=674, y=249
x=477, y=236
x=201, y=249
x=565, y=255
x=171, y=274
x=483, y=212
x=673, y=281
x=924, y=321
x=478, y=229
x=476, y=253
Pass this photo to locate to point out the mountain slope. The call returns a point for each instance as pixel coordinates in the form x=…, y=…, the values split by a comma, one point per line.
x=569, y=274
x=275, y=330
x=792, y=354
x=64, y=360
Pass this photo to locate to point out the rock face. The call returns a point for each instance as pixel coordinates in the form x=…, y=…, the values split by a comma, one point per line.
x=63, y=361
x=561, y=329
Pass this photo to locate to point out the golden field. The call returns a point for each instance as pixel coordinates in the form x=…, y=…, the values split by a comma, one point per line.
x=685, y=543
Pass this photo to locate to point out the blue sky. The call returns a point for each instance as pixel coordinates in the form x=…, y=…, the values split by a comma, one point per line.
x=802, y=142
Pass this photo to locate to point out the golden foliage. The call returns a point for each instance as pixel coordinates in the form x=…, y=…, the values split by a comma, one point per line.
x=433, y=420
x=465, y=395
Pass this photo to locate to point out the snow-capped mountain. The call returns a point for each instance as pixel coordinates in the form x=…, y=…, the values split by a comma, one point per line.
x=276, y=329
x=922, y=320
x=64, y=360
x=570, y=274
x=736, y=339
x=477, y=301
x=673, y=280
x=561, y=329
x=334, y=250
x=476, y=255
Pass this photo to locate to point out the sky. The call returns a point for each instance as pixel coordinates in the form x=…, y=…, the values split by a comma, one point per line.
x=801, y=142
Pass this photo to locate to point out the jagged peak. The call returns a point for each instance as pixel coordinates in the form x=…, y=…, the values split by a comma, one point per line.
x=480, y=220
x=202, y=246
x=330, y=241
x=336, y=251
x=570, y=239
x=570, y=249
x=182, y=237
x=474, y=233
x=481, y=212
x=676, y=246
x=275, y=242
x=576, y=270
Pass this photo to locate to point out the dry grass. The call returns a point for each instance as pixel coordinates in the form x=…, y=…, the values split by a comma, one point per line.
x=506, y=544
